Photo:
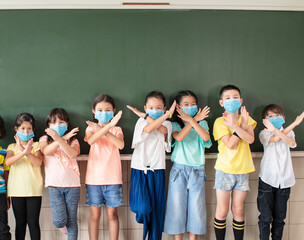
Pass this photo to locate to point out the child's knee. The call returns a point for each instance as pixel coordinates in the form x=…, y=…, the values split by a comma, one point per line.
x=238, y=210
x=112, y=215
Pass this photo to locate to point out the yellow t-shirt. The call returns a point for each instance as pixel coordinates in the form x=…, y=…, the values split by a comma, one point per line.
x=24, y=180
x=232, y=161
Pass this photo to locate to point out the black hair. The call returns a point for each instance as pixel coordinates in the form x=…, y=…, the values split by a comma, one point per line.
x=178, y=98
x=2, y=128
x=25, y=117
x=156, y=94
x=62, y=115
x=229, y=87
x=273, y=108
x=102, y=98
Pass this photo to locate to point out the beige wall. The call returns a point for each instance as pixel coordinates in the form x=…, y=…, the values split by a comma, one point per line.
x=130, y=230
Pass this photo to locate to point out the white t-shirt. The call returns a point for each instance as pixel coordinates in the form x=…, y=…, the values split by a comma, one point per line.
x=150, y=148
x=276, y=165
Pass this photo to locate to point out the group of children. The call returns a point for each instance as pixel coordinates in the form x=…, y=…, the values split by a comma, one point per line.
x=185, y=210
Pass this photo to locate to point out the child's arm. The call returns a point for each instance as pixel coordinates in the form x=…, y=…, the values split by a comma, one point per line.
x=193, y=122
x=48, y=149
x=156, y=124
x=11, y=158
x=270, y=128
x=91, y=137
x=70, y=150
x=296, y=123
x=6, y=173
x=118, y=140
x=244, y=131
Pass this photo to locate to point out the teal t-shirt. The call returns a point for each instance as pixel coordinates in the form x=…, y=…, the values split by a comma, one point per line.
x=190, y=151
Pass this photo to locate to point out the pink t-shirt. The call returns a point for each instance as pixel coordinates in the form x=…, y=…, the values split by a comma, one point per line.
x=60, y=170
x=104, y=164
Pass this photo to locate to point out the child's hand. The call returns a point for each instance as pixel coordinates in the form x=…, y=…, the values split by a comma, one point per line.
x=229, y=119
x=268, y=125
x=52, y=133
x=18, y=142
x=202, y=114
x=299, y=119
x=29, y=147
x=183, y=115
x=172, y=108
x=93, y=125
x=136, y=111
x=244, y=117
x=115, y=119
x=70, y=134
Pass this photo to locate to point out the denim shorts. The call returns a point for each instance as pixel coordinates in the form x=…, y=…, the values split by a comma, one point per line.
x=229, y=182
x=104, y=195
x=186, y=207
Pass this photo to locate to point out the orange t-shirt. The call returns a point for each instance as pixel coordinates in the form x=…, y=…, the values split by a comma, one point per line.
x=104, y=164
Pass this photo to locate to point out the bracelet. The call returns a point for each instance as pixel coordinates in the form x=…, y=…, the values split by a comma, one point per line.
x=235, y=134
x=169, y=113
x=146, y=116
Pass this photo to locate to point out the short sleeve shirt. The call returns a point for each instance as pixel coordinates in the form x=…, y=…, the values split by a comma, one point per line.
x=276, y=165
x=191, y=150
x=3, y=168
x=104, y=163
x=25, y=179
x=232, y=161
x=150, y=148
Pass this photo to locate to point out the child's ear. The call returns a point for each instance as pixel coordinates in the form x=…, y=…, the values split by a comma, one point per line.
x=15, y=128
x=93, y=111
x=145, y=108
x=241, y=99
x=221, y=102
x=114, y=110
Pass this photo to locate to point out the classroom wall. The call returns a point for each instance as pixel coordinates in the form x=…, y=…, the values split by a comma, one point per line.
x=130, y=230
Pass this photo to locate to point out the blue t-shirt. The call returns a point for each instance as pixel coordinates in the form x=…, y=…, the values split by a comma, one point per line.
x=190, y=151
x=2, y=168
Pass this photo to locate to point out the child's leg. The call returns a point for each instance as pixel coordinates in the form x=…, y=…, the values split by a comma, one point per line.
x=140, y=200
x=192, y=236
x=72, y=195
x=222, y=208
x=157, y=192
x=58, y=206
x=237, y=208
x=19, y=208
x=279, y=213
x=265, y=203
x=4, y=228
x=113, y=223
x=33, y=206
x=95, y=213
x=177, y=198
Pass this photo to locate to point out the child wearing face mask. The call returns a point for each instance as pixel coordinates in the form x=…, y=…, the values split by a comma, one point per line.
x=25, y=180
x=60, y=148
x=151, y=141
x=104, y=177
x=276, y=172
x=186, y=209
x=234, y=133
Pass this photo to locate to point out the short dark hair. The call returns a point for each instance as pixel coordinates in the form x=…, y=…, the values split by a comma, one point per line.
x=2, y=128
x=229, y=87
x=25, y=117
x=273, y=108
x=156, y=94
x=103, y=98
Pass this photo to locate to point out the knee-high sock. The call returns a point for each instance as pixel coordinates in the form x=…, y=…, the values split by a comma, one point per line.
x=220, y=229
x=238, y=230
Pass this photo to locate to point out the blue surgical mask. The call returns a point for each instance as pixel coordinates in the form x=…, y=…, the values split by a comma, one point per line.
x=25, y=136
x=60, y=128
x=155, y=114
x=232, y=105
x=104, y=117
x=277, y=121
x=191, y=110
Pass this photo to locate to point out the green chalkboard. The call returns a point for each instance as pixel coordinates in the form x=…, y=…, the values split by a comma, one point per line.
x=64, y=58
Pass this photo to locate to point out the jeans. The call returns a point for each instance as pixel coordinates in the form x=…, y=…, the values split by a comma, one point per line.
x=64, y=206
x=27, y=212
x=272, y=205
x=4, y=228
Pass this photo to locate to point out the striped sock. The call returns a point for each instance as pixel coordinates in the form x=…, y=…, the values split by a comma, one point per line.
x=220, y=229
x=238, y=230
